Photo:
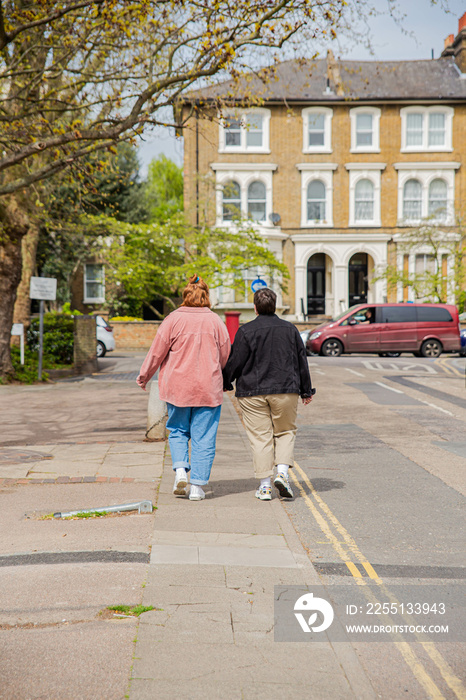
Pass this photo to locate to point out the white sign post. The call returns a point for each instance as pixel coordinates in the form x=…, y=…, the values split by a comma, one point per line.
x=18, y=329
x=44, y=289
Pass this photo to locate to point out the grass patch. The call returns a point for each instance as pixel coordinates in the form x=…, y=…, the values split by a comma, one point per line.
x=133, y=611
x=83, y=515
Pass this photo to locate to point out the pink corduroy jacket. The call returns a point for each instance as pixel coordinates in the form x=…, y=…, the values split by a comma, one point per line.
x=191, y=348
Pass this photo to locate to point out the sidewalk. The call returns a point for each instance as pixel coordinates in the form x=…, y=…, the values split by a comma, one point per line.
x=212, y=570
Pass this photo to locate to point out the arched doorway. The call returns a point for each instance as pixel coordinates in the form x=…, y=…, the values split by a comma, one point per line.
x=358, y=283
x=316, y=284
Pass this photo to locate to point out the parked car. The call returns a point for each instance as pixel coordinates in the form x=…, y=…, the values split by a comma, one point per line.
x=463, y=342
x=426, y=330
x=305, y=337
x=105, y=339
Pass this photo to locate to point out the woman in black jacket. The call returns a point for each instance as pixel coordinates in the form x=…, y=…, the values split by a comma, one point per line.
x=269, y=363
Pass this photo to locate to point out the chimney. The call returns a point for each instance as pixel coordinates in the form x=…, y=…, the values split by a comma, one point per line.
x=448, y=41
x=462, y=23
x=456, y=46
x=333, y=74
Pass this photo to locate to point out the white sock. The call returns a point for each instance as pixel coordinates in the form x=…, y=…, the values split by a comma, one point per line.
x=266, y=482
x=283, y=469
x=197, y=490
x=180, y=473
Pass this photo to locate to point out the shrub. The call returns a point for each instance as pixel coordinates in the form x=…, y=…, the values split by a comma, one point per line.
x=125, y=318
x=27, y=373
x=58, y=337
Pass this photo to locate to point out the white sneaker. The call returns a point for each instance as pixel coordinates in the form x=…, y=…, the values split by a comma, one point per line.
x=264, y=493
x=196, y=493
x=181, y=482
x=282, y=485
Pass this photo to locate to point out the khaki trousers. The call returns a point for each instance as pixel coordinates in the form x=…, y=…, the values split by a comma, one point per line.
x=270, y=423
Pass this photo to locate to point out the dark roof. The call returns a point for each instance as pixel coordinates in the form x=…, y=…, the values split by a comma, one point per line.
x=306, y=80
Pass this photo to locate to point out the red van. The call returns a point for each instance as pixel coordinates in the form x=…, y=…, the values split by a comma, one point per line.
x=426, y=330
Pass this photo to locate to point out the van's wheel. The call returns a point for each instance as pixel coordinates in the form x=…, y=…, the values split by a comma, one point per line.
x=431, y=348
x=332, y=348
x=101, y=349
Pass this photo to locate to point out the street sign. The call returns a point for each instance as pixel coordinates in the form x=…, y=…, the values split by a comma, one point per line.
x=18, y=329
x=258, y=284
x=43, y=288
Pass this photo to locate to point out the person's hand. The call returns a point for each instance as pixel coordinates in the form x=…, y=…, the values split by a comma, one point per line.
x=307, y=400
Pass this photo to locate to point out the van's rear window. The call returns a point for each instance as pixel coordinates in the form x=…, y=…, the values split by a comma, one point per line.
x=399, y=314
x=433, y=314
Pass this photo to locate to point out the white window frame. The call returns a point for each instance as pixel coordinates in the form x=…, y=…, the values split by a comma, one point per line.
x=425, y=173
x=323, y=172
x=375, y=114
x=244, y=174
x=365, y=171
x=94, y=300
x=243, y=115
x=328, y=115
x=425, y=112
x=420, y=250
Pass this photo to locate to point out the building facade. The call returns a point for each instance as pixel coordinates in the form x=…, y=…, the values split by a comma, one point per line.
x=338, y=162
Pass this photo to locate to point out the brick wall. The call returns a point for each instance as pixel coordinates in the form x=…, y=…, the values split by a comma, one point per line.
x=134, y=335
x=85, y=344
x=138, y=335
x=286, y=150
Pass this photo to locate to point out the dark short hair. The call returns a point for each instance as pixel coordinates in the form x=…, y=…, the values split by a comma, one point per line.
x=265, y=301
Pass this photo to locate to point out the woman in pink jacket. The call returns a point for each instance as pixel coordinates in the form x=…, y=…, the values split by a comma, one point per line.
x=191, y=348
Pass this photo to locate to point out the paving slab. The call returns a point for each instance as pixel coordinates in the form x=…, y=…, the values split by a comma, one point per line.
x=59, y=662
x=213, y=568
x=23, y=531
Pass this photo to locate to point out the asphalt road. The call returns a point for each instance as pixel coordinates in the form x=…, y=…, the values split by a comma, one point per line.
x=380, y=484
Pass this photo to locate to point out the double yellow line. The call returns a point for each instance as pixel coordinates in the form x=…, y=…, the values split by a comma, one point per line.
x=348, y=551
x=443, y=363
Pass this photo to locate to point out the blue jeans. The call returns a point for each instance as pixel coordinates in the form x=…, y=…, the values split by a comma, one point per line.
x=198, y=424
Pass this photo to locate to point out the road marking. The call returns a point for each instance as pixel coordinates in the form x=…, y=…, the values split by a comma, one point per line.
x=416, y=667
x=443, y=362
x=370, y=570
x=384, y=366
x=354, y=569
x=433, y=405
x=385, y=386
x=419, y=671
x=359, y=374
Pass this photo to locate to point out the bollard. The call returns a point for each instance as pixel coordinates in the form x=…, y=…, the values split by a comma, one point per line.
x=232, y=323
x=156, y=415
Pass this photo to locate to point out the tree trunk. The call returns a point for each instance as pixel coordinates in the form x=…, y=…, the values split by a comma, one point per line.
x=14, y=226
x=22, y=313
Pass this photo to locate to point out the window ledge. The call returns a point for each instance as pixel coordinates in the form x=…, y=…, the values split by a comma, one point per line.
x=98, y=300
x=364, y=150
x=365, y=224
x=317, y=150
x=312, y=224
x=442, y=149
x=246, y=151
x=425, y=165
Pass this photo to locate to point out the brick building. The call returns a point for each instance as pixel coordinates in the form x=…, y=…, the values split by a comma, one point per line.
x=340, y=159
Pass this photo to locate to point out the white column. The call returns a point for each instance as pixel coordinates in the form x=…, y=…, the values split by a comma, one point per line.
x=341, y=288
x=300, y=286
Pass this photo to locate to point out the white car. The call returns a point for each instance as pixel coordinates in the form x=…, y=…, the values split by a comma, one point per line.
x=105, y=339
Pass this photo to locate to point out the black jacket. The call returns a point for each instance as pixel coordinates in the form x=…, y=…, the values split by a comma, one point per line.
x=268, y=357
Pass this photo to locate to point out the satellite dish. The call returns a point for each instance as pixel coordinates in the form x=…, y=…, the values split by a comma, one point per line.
x=275, y=218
